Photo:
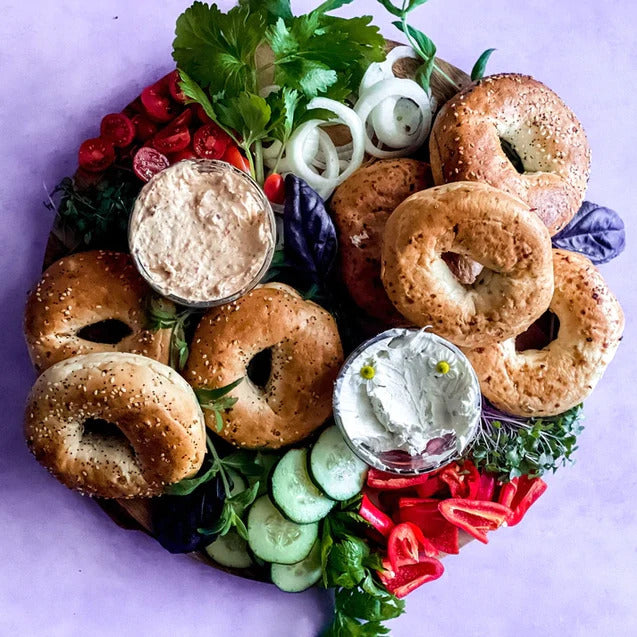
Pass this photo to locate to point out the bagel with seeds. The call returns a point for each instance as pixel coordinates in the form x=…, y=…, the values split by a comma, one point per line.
x=514, y=112
x=83, y=292
x=549, y=381
x=293, y=396
x=115, y=425
x=485, y=225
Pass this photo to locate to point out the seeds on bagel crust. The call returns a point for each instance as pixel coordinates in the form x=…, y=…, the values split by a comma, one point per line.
x=115, y=425
x=466, y=145
x=82, y=290
x=293, y=397
x=550, y=381
x=486, y=225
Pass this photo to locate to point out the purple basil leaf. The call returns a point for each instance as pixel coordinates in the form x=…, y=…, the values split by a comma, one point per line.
x=595, y=231
x=309, y=235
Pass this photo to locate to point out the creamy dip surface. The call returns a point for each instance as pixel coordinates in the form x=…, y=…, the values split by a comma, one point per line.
x=422, y=397
x=200, y=231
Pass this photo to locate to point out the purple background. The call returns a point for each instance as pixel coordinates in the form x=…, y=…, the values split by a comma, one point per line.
x=65, y=569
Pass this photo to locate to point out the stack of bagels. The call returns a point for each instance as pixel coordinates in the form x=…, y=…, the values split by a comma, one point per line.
x=471, y=257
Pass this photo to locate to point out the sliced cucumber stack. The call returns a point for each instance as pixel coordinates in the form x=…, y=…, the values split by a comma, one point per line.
x=275, y=539
x=230, y=550
x=294, y=493
x=294, y=578
x=334, y=467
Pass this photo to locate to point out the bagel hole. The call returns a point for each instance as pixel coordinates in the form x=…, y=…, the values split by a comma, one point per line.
x=260, y=367
x=539, y=334
x=104, y=429
x=110, y=331
x=512, y=155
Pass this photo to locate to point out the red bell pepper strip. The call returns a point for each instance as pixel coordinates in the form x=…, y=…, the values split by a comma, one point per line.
x=379, y=520
x=463, y=479
x=507, y=492
x=476, y=517
x=528, y=491
x=486, y=487
x=403, y=580
x=407, y=544
x=433, y=486
x=381, y=480
x=424, y=513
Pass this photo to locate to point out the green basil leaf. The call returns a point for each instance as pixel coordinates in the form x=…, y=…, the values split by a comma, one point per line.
x=187, y=486
x=205, y=395
x=479, y=67
x=218, y=421
x=422, y=43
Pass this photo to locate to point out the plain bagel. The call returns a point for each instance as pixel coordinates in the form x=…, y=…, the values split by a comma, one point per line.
x=83, y=290
x=551, y=380
x=305, y=351
x=485, y=225
x=466, y=144
x=115, y=425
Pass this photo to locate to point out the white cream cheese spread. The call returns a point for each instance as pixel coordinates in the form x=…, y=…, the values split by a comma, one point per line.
x=409, y=390
x=201, y=231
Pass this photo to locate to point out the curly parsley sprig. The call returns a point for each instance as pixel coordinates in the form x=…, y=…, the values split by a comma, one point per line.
x=511, y=447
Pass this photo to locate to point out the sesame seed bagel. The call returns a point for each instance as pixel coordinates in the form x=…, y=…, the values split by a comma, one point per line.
x=551, y=380
x=295, y=398
x=115, y=425
x=486, y=225
x=85, y=289
x=465, y=145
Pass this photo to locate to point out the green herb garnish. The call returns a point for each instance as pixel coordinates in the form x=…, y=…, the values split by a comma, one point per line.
x=511, y=447
x=217, y=401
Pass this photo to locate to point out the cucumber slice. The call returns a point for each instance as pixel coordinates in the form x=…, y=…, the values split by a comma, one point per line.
x=239, y=483
x=294, y=578
x=230, y=550
x=334, y=467
x=275, y=539
x=294, y=493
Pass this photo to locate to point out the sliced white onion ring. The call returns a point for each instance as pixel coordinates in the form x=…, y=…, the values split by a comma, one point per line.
x=399, y=88
x=396, y=121
x=378, y=71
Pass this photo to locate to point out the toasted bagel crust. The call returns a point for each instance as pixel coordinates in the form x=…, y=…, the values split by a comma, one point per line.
x=155, y=409
x=306, y=356
x=551, y=380
x=487, y=226
x=83, y=289
x=465, y=144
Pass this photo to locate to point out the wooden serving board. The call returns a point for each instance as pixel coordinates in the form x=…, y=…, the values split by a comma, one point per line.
x=135, y=513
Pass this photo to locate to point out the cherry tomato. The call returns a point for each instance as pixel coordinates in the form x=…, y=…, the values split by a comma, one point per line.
x=210, y=142
x=233, y=156
x=274, y=188
x=96, y=155
x=158, y=102
x=186, y=153
x=172, y=139
x=144, y=128
x=118, y=129
x=173, y=87
x=133, y=108
x=201, y=114
x=148, y=162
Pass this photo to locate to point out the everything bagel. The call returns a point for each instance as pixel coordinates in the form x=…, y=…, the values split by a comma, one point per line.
x=294, y=396
x=467, y=140
x=551, y=380
x=86, y=289
x=485, y=225
x=115, y=425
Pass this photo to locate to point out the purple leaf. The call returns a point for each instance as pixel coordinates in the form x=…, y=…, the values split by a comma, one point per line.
x=595, y=231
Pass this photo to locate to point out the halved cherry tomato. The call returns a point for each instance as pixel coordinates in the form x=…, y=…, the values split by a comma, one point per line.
x=173, y=87
x=148, y=162
x=158, y=102
x=476, y=517
x=379, y=520
x=424, y=513
x=134, y=107
x=210, y=142
x=381, y=480
x=118, y=129
x=172, y=139
x=201, y=114
x=274, y=188
x=405, y=579
x=144, y=127
x=528, y=491
x=96, y=155
x=463, y=479
x=186, y=153
x=233, y=156
x=407, y=544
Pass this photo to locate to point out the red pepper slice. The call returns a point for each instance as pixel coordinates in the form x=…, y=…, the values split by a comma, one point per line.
x=433, y=486
x=148, y=162
x=463, y=479
x=379, y=520
x=424, y=513
x=96, y=155
x=507, y=492
x=528, y=491
x=486, y=487
x=476, y=517
x=210, y=142
x=274, y=188
x=403, y=580
x=381, y=480
x=118, y=129
x=406, y=544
